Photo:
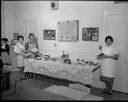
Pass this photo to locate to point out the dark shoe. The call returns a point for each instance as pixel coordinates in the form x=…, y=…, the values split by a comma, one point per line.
x=105, y=91
x=110, y=92
x=22, y=78
x=30, y=76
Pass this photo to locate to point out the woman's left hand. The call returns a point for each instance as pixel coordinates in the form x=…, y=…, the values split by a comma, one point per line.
x=115, y=57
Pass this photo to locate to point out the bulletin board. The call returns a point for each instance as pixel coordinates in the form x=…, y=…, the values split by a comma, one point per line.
x=49, y=34
x=68, y=30
x=90, y=34
x=15, y=36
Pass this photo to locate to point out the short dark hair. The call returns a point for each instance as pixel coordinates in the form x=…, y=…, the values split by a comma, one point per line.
x=4, y=39
x=31, y=34
x=108, y=37
x=20, y=36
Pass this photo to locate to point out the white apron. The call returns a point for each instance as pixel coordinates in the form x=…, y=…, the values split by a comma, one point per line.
x=20, y=59
x=108, y=64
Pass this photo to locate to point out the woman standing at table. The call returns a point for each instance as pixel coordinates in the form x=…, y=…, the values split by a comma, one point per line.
x=19, y=49
x=108, y=57
x=29, y=46
x=32, y=44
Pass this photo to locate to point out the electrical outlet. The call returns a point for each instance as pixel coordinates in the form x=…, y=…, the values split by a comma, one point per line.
x=100, y=47
x=54, y=44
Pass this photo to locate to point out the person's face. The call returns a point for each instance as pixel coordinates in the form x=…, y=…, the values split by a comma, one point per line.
x=109, y=42
x=31, y=38
x=20, y=40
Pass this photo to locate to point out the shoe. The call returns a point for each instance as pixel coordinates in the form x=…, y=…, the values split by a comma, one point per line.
x=110, y=92
x=105, y=91
x=30, y=76
x=20, y=79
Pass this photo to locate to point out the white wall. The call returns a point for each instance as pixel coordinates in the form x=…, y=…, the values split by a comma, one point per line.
x=89, y=14
x=7, y=19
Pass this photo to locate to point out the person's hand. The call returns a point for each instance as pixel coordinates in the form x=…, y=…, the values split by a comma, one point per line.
x=115, y=57
x=100, y=56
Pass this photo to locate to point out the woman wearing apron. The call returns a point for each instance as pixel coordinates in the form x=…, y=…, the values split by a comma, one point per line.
x=19, y=49
x=13, y=56
x=108, y=57
x=29, y=46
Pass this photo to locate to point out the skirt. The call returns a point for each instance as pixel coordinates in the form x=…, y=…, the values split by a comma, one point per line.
x=106, y=79
x=5, y=58
x=21, y=68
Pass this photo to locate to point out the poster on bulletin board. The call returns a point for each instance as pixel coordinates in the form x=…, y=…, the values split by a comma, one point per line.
x=68, y=30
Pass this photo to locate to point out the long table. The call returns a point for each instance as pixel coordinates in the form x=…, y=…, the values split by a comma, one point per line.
x=73, y=72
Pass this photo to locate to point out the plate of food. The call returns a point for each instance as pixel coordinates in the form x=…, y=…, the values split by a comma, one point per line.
x=34, y=50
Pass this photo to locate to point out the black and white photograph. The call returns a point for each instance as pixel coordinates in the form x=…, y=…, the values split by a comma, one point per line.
x=64, y=50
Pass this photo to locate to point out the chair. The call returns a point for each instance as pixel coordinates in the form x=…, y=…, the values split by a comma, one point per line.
x=5, y=80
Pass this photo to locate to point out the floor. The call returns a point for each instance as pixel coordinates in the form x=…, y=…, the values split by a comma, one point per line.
x=44, y=82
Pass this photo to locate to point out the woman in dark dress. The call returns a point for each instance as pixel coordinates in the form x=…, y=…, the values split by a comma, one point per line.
x=5, y=51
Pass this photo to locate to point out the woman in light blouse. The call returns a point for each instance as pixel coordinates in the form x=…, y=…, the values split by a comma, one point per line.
x=19, y=50
x=29, y=46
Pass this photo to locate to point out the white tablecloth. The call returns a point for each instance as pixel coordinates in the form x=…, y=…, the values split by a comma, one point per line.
x=56, y=69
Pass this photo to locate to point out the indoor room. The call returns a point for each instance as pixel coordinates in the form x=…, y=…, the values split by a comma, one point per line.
x=64, y=50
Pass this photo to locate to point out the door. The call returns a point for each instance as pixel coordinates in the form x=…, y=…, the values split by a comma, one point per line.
x=116, y=25
x=30, y=26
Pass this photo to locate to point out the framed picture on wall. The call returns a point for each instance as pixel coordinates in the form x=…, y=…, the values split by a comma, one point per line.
x=90, y=34
x=15, y=36
x=49, y=34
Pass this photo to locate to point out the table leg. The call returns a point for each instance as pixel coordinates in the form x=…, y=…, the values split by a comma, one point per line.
x=15, y=86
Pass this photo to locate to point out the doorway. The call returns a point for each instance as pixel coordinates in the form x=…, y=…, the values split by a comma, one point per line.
x=116, y=25
x=30, y=26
